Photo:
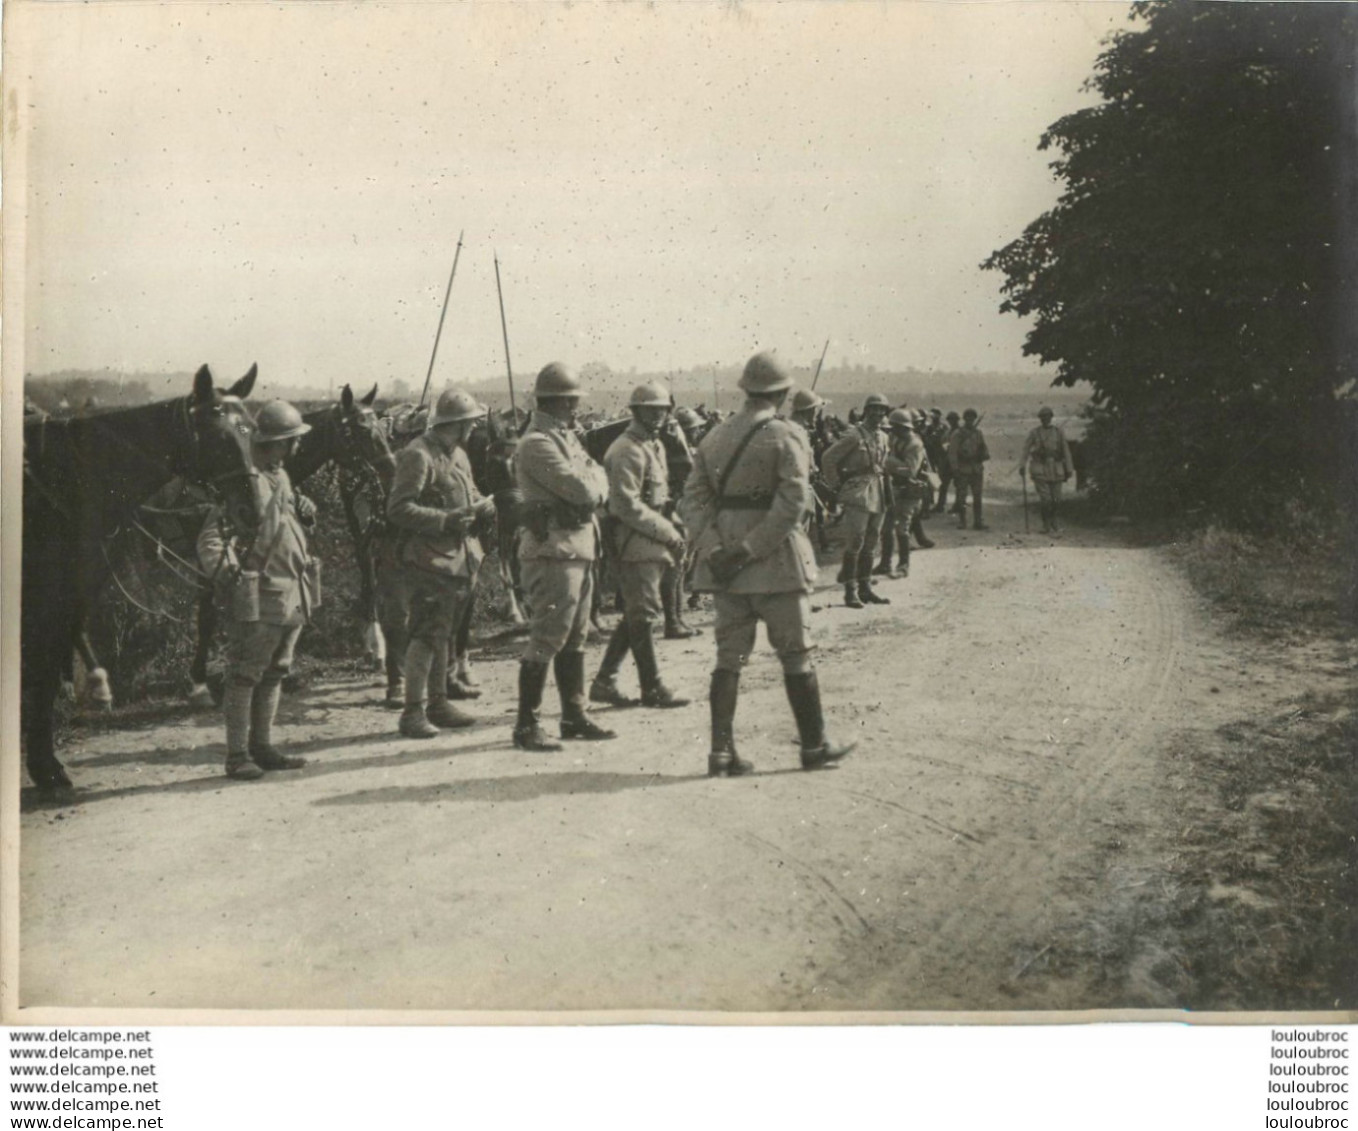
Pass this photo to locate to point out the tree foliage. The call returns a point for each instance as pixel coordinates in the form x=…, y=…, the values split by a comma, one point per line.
x=1192, y=271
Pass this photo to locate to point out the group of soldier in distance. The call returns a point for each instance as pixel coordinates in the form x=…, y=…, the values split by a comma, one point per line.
x=731, y=517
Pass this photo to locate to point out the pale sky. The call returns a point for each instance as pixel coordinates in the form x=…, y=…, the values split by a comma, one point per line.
x=666, y=185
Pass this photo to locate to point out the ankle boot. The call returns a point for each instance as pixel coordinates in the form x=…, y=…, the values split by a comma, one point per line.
x=724, y=762
x=653, y=692
x=528, y=733
x=441, y=713
x=236, y=700
x=803, y=692
x=868, y=596
x=414, y=724
x=851, y=600
x=570, y=683
x=263, y=708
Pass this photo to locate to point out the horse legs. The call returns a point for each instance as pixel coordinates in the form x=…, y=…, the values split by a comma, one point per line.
x=374, y=639
x=96, y=676
x=199, y=695
x=507, y=545
x=42, y=666
x=393, y=613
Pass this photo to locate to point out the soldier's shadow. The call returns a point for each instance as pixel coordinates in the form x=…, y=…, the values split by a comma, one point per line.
x=517, y=787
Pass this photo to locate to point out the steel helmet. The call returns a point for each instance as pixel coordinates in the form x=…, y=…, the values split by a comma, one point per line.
x=278, y=420
x=971, y=414
x=1044, y=413
x=687, y=418
x=454, y=405
x=556, y=379
x=804, y=399
x=876, y=400
x=764, y=373
x=899, y=418
x=652, y=393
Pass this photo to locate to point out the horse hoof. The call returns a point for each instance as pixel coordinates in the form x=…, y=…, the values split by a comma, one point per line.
x=51, y=779
x=200, y=697
x=100, y=692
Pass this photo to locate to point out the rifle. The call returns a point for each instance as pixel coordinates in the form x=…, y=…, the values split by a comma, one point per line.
x=821, y=362
x=442, y=314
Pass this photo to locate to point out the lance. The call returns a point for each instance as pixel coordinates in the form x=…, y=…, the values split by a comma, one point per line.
x=821, y=362
x=504, y=329
x=442, y=314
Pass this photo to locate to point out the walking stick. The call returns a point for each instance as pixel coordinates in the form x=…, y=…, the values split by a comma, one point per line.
x=1024, y=476
x=442, y=314
x=504, y=329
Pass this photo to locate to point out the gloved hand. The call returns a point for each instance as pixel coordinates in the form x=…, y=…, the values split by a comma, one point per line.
x=727, y=561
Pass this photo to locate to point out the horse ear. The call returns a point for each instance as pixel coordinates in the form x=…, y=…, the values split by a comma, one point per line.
x=202, y=385
x=347, y=398
x=372, y=396
x=242, y=387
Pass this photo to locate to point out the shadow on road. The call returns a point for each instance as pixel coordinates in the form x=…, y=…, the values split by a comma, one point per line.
x=523, y=787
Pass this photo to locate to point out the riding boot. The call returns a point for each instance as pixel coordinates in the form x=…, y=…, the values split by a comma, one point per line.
x=441, y=712
x=671, y=601
x=653, y=692
x=569, y=668
x=903, y=546
x=724, y=762
x=528, y=732
x=687, y=629
x=848, y=575
x=604, y=688
x=236, y=701
x=803, y=692
x=419, y=659
x=398, y=642
x=883, y=568
x=917, y=529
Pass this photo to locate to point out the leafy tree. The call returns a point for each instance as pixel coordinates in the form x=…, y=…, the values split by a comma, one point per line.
x=1195, y=271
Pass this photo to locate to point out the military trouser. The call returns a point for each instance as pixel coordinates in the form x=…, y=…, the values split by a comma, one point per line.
x=973, y=482
x=437, y=602
x=643, y=605
x=258, y=657
x=862, y=528
x=787, y=621
x=559, y=594
x=1048, y=499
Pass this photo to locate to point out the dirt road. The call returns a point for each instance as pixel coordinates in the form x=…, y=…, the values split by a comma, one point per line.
x=1004, y=827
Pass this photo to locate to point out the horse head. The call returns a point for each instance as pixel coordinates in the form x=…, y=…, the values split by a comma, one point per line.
x=358, y=437
x=216, y=449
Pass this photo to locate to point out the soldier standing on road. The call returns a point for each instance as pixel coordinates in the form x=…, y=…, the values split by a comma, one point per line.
x=562, y=488
x=672, y=583
x=853, y=466
x=646, y=545
x=1046, y=457
x=270, y=588
x=906, y=463
x=434, y=509
x=747, y=496
x=943, y=462
x=967, y=452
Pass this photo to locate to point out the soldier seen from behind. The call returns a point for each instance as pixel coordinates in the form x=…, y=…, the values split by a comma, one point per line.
x=747, y=497
x=967, y=453
x=269, y=586
x=562, y=488
x=645, y=543
x=436, y=513
x=853, y=466
x=1046, y=457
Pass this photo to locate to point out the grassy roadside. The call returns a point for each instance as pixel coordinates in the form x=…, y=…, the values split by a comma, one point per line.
x=1266, y=864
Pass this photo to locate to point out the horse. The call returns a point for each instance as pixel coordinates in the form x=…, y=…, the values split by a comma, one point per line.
x=83, y=478
x=347, y=434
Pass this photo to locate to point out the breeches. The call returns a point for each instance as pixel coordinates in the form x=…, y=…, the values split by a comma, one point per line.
x=436, y=605
x=641, y=599
x=257, y=652
x=1048, y=491
x=973, y=481
x=861, y=528
x=559, y=594
x=787, y=620
x=903, y=513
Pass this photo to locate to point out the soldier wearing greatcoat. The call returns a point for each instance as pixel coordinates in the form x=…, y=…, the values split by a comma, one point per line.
x=853, y=465
x=436, y=512
x=744, y=505
x=562, y=489
x=269, y=587
x=646, y=545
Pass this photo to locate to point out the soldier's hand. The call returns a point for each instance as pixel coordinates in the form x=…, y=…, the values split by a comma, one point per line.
x=727, y=561
x=457, y=522
x=306, y=510
x=485, y=509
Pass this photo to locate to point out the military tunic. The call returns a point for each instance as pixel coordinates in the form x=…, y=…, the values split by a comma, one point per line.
x=967, y=453
x=643, y=538
x=1051, y=463
x=762, y=505
x=562, y=488
x=905, y=461
x=433, y=480
x=269, y=588
x=853, y=466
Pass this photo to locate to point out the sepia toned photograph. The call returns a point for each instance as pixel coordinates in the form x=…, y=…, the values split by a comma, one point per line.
x=690, y=511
